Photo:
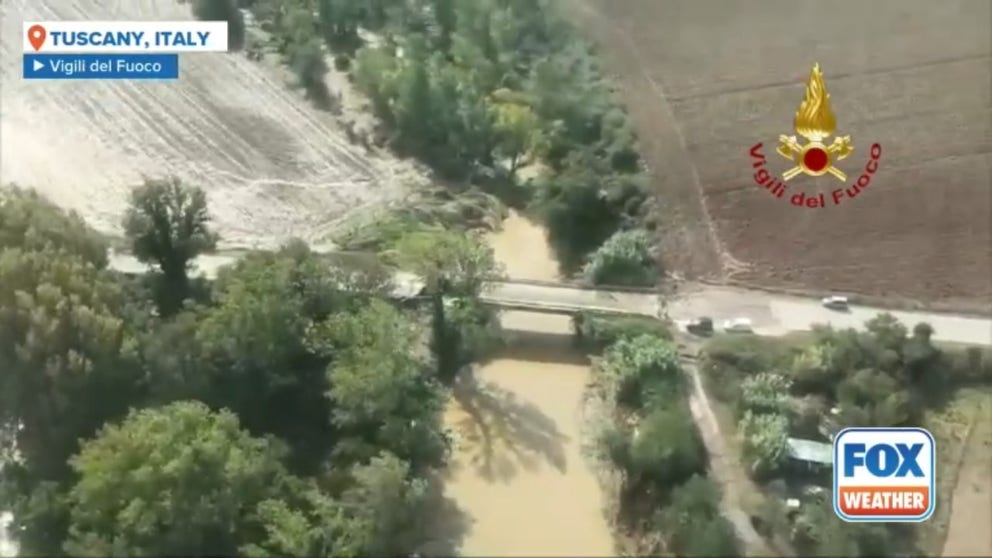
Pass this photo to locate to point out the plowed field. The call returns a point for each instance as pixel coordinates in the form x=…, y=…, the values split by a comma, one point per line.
x=705, y=81
x=272, y=165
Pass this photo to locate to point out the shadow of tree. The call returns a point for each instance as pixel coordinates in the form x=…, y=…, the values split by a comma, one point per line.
x=504, y=434
x=448, y=525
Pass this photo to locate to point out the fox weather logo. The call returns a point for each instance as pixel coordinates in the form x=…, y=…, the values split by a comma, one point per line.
x=884, y=474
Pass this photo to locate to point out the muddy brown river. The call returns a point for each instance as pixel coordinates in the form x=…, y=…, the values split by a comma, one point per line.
x=517, y=475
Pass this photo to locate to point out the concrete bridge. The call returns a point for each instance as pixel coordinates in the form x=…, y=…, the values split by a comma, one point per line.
x=771, y=314
x=530, y=296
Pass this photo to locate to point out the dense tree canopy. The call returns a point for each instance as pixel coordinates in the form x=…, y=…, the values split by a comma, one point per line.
x=481, y=87
x=291, y=410
x=175, y=480
x=31, y=222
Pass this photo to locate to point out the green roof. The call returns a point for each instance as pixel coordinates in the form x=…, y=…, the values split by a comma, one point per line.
x=810, y=451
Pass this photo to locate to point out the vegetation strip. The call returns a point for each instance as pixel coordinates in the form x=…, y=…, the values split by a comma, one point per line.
x=482, y=90
x=791, y=395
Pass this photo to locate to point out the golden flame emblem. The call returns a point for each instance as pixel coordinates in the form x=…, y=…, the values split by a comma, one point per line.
x=815, y=121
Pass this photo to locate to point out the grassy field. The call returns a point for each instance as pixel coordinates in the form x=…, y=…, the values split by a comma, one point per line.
x=704, y=83
x=959, y=450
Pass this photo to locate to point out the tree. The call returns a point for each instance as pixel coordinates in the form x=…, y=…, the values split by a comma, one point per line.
x=518, y=131
x=375, y=73
x=920, y=357
x=253, y=342
x=624, y=259
x=305, y=56
x=339, y=21
x=811, y=372
x=31, y=223
x=765, y=442
x=414, y=107
x=388, y=506
x=714, y=537
x=444, y=12
x=382, y=395
x=888, y=331
x=466, y=137
x=455, y=266
x=223, y=10
x=666, y=449
x=172, y=358
x=693, y=524
x=167, y=225
x=584, y=203
x=177, y=480
x=817, y=531
x=61, y=338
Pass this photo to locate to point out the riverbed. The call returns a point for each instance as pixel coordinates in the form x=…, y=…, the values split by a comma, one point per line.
x=518, y=476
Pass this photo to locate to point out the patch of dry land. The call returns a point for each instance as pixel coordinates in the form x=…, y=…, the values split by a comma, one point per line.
x=705, y=81
x=272, y=165
x=969, y=527
x=518, y=473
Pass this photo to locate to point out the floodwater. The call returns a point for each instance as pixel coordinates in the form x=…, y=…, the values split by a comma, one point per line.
x=518, y=475
x=522, y=247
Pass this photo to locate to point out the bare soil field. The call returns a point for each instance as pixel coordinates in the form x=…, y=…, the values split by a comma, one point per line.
x=273, y=166
x=705, y=82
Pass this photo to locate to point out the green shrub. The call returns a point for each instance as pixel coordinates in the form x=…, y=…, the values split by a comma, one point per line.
x=666, y=448
x=765, y=393
x=971, y=366
x=728, y=359
x=624, y=259
x=639, y=368
x=614, y=442
x=342, y=63
x=594, y=332
x=765, y=445
x=692, y=524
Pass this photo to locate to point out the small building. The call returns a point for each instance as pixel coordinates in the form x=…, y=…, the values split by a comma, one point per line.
x=811, y=454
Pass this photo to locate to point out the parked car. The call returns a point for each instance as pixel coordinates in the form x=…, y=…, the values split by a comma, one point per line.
x=700, y=326
x=835, y=302
x=738, y=325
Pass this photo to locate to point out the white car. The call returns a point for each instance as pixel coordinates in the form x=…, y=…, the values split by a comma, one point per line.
x=738, y=325
x=835, y=302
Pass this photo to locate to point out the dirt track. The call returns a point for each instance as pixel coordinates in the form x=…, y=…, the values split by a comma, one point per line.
x=272, y=165
x=705, y=83
x=968, y=532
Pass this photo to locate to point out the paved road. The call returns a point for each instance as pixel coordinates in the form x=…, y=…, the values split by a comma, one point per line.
x=771, y=314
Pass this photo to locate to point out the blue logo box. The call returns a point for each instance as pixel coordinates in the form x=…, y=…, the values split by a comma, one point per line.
x=101, y=66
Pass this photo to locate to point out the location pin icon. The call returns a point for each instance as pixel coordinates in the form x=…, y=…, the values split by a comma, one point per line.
x=36, y=36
